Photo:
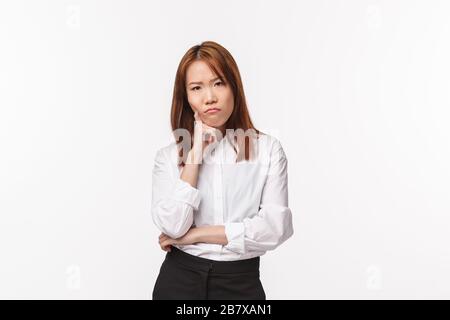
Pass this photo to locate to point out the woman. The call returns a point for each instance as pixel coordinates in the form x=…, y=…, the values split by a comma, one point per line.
x=220, y=190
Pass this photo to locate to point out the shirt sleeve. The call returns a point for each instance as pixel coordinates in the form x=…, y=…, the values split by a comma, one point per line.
x=173, y=199
x=272, y=225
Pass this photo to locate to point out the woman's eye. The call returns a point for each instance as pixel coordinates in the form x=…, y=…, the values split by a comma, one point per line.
x=219, y=82
x=195, y=88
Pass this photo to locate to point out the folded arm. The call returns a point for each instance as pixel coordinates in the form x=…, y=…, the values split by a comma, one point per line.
x=269, y=228
x=173, y=199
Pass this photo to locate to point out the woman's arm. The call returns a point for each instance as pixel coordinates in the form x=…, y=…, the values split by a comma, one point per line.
x=173, y=199
x=272, y=224
x=211, y=234
x=191, y=168
x=206, y=234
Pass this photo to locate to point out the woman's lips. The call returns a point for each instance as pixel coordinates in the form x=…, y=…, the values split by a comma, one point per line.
x=213, y=110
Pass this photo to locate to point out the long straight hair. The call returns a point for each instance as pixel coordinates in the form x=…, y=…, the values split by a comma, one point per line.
x=221, y=62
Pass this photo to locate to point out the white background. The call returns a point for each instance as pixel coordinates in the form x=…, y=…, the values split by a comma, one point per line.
x=356, y=91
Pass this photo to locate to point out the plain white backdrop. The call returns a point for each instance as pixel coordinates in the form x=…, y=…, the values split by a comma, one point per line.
x=358, y=92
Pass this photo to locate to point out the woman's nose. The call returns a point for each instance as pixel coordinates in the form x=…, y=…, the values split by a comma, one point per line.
x=210, y=96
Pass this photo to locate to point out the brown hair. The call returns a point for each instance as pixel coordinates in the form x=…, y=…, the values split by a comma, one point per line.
x=224, y=66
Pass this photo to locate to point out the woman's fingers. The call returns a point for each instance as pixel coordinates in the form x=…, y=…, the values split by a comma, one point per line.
x=197, y=117
x=166, y=244
x=204, y=126
x=166, y=248
x=208, y=131
x=208, y=128
x=204, y=135
x=163, y=238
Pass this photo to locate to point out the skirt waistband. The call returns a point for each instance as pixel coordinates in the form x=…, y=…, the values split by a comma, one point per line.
x=214, y=266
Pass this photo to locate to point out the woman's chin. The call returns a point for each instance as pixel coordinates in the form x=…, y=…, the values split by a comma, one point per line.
x=214, y=124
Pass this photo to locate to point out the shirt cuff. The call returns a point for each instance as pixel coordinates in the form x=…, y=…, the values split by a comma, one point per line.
x=184, y=192
x=235, y=232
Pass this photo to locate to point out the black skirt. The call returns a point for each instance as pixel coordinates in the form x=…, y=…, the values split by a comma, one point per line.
x=183, y=276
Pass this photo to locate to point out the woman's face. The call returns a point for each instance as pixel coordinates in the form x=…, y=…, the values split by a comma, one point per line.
x=206, y=91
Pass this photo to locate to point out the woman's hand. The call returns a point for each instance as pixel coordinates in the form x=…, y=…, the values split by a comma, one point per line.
x=166, y=242
x=204, y=135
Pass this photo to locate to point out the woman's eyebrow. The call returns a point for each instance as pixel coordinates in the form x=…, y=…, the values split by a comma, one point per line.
x=199, y=82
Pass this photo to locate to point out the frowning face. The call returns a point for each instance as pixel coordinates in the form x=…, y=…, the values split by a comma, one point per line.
x=209, y=95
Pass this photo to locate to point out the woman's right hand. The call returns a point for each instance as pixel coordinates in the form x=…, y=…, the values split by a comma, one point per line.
x=204, y=135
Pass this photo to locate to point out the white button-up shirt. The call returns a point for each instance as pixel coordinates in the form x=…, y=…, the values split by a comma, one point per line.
x=250, y=198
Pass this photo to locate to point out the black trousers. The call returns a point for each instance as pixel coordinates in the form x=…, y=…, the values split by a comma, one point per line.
x=183, y=276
